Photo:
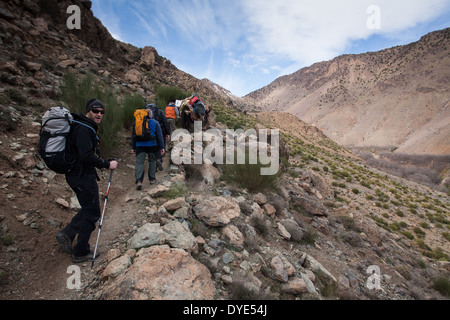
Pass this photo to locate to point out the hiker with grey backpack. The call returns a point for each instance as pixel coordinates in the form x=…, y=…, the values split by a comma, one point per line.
x=78, y=161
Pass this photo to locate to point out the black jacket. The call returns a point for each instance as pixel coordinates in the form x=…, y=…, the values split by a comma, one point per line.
x=85, y=144
x=160, y=116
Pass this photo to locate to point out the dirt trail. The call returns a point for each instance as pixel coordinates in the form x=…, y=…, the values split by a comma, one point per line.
x=40, y=271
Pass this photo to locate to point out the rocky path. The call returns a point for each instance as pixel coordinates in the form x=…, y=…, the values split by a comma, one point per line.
x=123, y=215
x=35, y=266
x=150, y=250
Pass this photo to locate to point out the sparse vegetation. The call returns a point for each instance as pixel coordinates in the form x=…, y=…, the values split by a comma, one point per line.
x=259, y=225
x=130, y=104
x=77, y=91
x=164, y=94
x=249, y=176
x=3, y=277
x=240, y=290
x=442, y=285
x=424, y=169
x=6, y=240
x=176, y=190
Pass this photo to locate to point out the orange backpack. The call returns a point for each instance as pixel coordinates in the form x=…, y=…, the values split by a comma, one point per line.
x=141, y=129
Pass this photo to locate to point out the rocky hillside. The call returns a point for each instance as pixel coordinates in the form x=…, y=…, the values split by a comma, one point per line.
x=397, y=97
x=37, y=49
x=319, y=232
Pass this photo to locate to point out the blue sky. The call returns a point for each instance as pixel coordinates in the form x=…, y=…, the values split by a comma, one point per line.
x=244, y=45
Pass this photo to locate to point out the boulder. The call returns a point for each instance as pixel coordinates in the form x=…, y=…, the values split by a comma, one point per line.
x=175, y=204
x=162, y=273
x=147, y=235
x=317, y=182
x=294, y=286
x=134, y=76
x=293, y=228
x=177, y=235
x=233, y=234
x=116, y=267
x=217, y=211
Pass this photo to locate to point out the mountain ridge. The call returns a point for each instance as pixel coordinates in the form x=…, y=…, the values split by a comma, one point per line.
x=375, y=98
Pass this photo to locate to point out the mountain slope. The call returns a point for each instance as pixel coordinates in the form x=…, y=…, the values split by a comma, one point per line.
x=38, y=48
x=314, y=238
x=397, y=97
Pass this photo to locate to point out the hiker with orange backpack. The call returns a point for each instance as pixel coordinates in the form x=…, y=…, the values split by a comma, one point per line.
x=172, y=115
x=146, y=140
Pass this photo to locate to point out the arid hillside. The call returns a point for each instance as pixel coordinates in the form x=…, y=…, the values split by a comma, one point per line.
x=324, y=227
x=38, y=49
x=396, y=98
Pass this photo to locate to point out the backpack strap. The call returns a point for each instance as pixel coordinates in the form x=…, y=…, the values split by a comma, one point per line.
x=86, y=125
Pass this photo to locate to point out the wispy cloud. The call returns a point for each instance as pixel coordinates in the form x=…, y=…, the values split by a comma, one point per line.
x=312, y=30
x=244, y=44
x=106, y=12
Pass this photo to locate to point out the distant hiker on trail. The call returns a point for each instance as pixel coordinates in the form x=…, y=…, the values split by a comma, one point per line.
x=160, y=117
x=172, y=115
x=192, y=109
x=148, y=142
x=83, y=181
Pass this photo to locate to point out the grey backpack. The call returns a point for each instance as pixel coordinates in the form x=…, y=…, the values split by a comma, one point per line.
x=58, y=155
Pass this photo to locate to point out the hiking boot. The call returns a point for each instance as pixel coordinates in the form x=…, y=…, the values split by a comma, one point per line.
x=154, y=181
x=159, y=165
x=64, y=242
x=139, y=186
x=88, y=257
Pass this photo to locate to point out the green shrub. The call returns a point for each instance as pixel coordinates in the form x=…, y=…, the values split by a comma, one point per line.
x=293, y=174
x=442, y=285
x=6, y=240
x=419, y=232
x=165, y=94
x=259, y=225
x=3, y=277
x=239, y=290
x=16, y=95
x=399, y=213
x=177, y=190
x=424, y=225
x=249, y=176
x=407, y=234
x=328, y=288
x=446, y=235
x=130, y=104
x=421, y=264
x=77, y=91
x=347, y=222
x=309, y=237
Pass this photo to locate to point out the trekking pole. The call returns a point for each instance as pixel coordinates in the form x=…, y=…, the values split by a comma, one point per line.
x=101, y=219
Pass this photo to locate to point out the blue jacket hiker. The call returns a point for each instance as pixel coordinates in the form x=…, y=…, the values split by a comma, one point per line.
x=152, y=147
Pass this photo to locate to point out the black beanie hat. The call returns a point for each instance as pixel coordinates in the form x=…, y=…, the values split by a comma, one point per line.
x=94, y=103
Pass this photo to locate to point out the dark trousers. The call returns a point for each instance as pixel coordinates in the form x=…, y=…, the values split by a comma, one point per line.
x=141, y=154
x=83, y=223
